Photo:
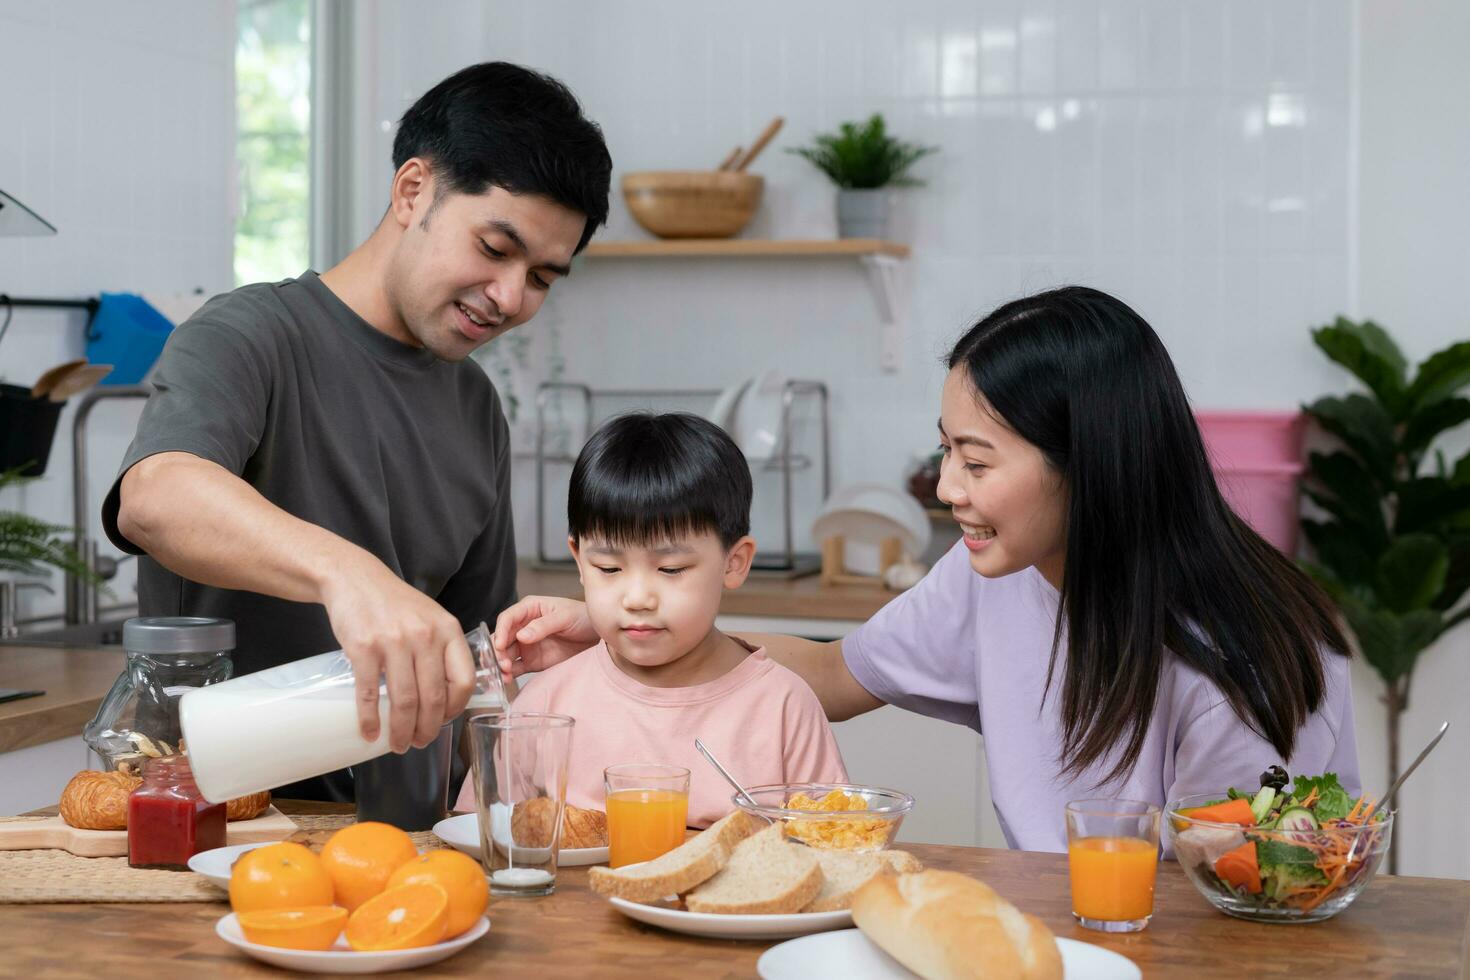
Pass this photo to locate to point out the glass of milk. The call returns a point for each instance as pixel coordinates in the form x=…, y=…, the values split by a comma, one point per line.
x=293, y=722
x=520, y=777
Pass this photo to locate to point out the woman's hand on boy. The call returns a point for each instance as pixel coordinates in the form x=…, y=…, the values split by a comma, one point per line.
x=540, y=632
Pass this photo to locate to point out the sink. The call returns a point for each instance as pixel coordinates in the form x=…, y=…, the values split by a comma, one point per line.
x=106, y=633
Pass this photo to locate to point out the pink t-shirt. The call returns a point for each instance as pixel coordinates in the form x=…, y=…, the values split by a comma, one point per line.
x=760, y=720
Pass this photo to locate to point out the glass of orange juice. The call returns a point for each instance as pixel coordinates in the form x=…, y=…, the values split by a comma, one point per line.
x=647, y=809
x=1113, y=856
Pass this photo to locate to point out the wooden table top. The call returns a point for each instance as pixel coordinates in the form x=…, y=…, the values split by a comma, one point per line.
x=74, y=679
x=1399, y=926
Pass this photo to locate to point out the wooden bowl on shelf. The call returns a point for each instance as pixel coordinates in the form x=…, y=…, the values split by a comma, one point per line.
x=692, y=203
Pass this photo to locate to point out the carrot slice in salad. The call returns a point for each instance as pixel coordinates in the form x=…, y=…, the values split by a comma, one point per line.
x=1238, y=868
x=1231, y=811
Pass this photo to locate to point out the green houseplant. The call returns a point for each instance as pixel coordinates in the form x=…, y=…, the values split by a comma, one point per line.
x=28, y=546
x=1394, y=547
x=862, y=159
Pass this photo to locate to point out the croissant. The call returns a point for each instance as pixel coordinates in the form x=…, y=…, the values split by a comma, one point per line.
x=248, y=807
x=530, y=825
x=583, y=828
x=98, y=800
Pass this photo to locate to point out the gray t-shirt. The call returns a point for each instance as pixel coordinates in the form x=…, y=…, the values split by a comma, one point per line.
x=338, y=424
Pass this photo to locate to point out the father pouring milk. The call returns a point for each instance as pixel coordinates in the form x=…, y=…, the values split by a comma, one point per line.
x=321, y=463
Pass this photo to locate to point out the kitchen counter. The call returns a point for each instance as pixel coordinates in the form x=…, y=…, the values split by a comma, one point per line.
x=1398, y=927
x=76, y=678
x=760, y=596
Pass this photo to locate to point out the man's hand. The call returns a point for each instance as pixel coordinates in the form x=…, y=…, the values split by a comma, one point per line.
x=540, y=632
x=389, y=629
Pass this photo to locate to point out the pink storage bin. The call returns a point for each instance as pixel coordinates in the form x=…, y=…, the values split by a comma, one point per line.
x=1257, y=459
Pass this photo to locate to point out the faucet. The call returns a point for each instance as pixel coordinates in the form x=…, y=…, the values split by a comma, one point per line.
x=81, y=595
x=9, y=592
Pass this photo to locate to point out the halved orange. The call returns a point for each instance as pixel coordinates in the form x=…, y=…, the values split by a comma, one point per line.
x=400, y=918
x=361, y=857
x=314, y=927
x=459, y=875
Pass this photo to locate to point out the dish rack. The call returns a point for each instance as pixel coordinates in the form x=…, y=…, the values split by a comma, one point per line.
x=785, y=563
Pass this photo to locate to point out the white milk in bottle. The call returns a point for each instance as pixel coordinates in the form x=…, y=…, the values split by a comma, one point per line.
x=291, y=722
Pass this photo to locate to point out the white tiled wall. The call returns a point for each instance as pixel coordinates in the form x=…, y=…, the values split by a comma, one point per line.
x=116, y=125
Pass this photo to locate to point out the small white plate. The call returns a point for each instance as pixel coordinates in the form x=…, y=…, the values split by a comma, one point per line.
x=343, y=958
x=756, y=425
x=733, y=926
x=463, y=834
x=216, y=864
x=851, y=954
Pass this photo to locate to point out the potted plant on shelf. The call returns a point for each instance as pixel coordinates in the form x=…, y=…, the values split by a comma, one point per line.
x=29, y=545
x=1394, y=551
x=863, y=160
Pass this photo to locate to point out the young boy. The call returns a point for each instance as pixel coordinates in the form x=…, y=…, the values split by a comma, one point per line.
x=659, y=517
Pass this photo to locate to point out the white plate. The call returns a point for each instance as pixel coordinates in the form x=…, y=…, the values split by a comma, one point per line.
x=733, y=926
x=463, y=834
x=343, y=958
x=216, y=864
x=722, y=413
x=851, y=954
x=756, y=425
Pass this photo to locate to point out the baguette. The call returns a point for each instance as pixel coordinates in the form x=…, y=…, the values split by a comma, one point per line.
x=948, y=926
x=691, y=863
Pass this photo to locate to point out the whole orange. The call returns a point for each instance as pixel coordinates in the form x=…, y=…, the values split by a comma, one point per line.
x=279, y=876
x=461, y=878
x=360, y=858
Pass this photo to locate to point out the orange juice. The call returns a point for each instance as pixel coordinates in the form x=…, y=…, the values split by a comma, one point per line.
x=644, y=823
x=1112, y=877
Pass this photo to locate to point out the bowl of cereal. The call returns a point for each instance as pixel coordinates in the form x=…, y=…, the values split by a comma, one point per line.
x=835, y=816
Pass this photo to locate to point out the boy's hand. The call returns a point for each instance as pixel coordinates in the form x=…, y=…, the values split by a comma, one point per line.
x=540, y=632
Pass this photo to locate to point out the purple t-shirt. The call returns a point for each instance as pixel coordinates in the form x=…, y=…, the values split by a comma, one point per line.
x=974, y=651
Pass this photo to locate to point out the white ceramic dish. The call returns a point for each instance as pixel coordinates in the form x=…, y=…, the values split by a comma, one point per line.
x=463, y=834
x=722, y=413
x=756, y=426
x=866, y=513
x=216, y=864
x=665, y=916
x=850, y=954
x=342, y=958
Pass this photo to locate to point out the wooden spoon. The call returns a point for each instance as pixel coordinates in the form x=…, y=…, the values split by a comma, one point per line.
x=79, y=380
x=48, y=380
x=768, y=134
x=730, y=160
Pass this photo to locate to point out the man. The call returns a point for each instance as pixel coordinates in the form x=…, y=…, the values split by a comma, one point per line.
x=320, y=463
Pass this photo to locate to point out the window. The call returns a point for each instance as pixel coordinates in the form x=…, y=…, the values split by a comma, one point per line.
x=273, y=85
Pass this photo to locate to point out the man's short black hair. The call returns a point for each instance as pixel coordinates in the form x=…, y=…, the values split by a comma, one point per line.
x=501, y=125
x=644, y=478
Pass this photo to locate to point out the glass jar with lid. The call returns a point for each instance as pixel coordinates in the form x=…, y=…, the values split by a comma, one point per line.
x=166, y=656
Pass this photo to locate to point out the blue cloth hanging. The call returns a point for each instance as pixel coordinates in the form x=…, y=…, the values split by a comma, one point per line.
x=128, y=333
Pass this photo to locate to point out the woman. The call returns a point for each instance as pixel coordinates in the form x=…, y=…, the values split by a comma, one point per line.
x=1107, y=622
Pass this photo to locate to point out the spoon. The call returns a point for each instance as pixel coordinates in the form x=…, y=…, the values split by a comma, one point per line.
x=1400, y=781
x=728, y=778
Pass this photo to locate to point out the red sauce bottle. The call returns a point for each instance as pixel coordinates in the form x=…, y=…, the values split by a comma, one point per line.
x=168, y=820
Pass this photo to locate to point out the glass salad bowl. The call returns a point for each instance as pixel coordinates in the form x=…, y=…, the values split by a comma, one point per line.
x=1295, y=871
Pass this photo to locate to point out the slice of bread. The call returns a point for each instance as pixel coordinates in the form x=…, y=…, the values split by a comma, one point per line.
x=696, y=860
x=766, y=875
x=844, y=872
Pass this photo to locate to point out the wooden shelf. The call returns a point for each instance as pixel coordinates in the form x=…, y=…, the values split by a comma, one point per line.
x=745, y=248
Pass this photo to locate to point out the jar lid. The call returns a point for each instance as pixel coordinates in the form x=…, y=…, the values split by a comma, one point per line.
x=178, y=634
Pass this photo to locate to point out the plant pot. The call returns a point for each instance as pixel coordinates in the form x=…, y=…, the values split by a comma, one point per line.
x=27, y=428
x=862, y=213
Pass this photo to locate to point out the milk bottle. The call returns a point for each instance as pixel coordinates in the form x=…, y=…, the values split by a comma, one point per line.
x=293, y=722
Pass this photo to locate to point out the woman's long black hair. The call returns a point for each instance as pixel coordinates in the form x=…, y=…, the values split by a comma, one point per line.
x=1155, y=558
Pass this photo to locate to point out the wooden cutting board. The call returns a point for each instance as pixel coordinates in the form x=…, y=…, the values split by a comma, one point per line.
x=29, y=833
